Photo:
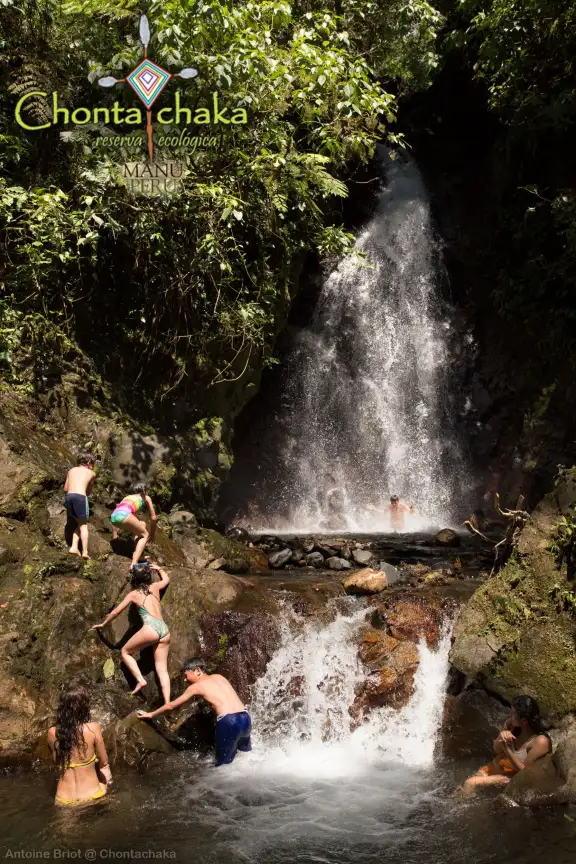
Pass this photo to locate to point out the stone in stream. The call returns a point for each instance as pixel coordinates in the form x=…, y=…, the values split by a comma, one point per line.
x=366, y=581
x=446, y=537
x=326, y=551
x=298, y=556
x=278, y=559
x=362, y=556
x=392, y=574
x=315, y=559
x=336, y=563
x=238, y=534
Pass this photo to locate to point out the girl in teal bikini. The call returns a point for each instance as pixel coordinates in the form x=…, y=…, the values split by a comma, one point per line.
x=126, y=516
x=146, y=595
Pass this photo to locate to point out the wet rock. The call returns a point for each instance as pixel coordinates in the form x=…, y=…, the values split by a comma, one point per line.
x=239, y=646
x=383, y=688
x=410, y=619
x=366, y=581
x=238, y=534
x=134, y=743
x=346, y=553
x=315, y=559
x=362, y=556
x=446, y=537
x=271, y=541
x=336, y=563
x=375, y=647
x=298, y=556
x=326, y=551
x=392, y=574
x=472, y=720
x=278, y=559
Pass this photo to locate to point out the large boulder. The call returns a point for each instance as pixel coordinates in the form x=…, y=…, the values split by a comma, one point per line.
x=472, y=720
x=366, y=581
x=516, y=634
x=133, y=743
x=239, y=646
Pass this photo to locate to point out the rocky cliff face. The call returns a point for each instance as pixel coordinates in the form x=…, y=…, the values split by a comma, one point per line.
x=49, y=599
x=517, y=634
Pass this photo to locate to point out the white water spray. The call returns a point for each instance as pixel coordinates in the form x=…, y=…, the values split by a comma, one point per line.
x=367, y=413
x=300, y=706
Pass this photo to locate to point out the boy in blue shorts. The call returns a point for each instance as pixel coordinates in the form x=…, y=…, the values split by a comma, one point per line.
x=233, y=724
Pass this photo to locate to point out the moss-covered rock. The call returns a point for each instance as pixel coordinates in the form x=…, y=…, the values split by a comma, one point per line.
x=515, y=635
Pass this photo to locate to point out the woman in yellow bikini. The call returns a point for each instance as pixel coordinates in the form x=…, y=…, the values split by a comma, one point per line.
x=76, y=745
x=126, y=516
x=154, y=631
x=519, y=744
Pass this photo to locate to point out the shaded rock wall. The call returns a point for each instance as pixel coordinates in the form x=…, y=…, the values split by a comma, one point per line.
x=516, y=635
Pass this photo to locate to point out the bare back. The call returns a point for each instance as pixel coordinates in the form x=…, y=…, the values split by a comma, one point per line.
x=79, y=480
x=218, y=691
x=150, y=602
x=81, y=780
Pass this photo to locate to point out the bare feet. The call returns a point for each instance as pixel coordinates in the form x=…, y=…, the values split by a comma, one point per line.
x=74, y=552
x=86, y=557
x=139, y=686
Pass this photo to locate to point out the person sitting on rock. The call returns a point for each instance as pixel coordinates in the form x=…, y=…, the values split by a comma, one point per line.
x=76, y=745
x=78, y=485
x=233, y=724
x=520, y=743
x=154, y=631
x=125, y=515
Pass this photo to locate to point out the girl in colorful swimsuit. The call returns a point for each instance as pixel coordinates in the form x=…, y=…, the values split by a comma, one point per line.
x=76, y=745
x=125, y=516
x=145, y=595
x=519, y=744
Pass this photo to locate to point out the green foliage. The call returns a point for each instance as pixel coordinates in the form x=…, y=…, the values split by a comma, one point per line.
x=174, y=297
x=526, y=54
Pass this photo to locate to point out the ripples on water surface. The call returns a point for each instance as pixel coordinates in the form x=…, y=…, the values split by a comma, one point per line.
x=311, y=791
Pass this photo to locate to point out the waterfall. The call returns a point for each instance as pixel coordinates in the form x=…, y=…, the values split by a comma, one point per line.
x=367, y=409
x=300, y=706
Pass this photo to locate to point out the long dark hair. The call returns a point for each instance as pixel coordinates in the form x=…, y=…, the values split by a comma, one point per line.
x=528, y=709
x=141, y=577
x=73, y=712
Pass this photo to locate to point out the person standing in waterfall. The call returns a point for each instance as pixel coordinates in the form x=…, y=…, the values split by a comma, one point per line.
x=520, y=743
x=145, y=595
x=396, y=511
x=124, y=516
x=78, y=486
x=233, y=723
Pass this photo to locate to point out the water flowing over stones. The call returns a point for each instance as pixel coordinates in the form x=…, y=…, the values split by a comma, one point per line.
x=367, y=411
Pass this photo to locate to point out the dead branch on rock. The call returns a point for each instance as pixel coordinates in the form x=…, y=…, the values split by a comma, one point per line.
x=515, y=521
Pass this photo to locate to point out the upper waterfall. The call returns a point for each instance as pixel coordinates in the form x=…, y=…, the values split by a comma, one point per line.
x=367, y=408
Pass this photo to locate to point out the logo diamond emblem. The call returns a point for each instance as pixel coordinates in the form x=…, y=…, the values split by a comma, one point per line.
x=148, y=80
